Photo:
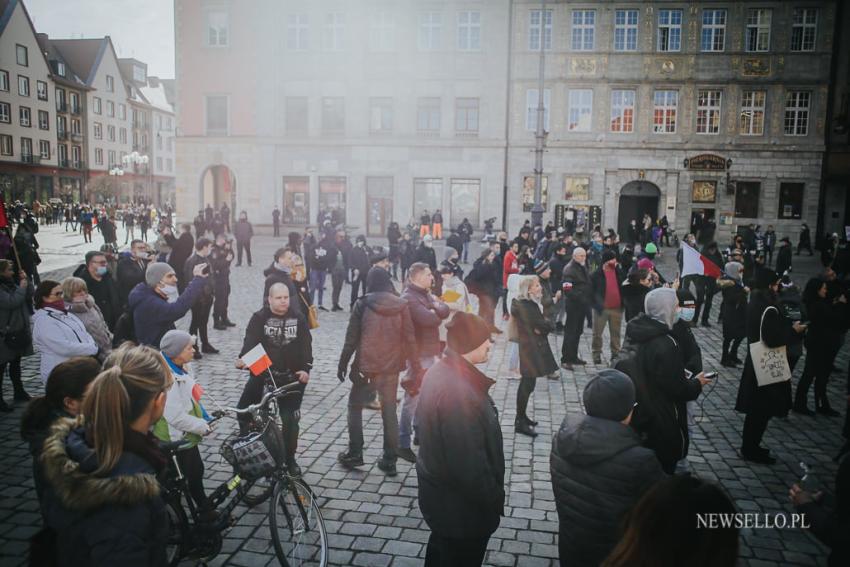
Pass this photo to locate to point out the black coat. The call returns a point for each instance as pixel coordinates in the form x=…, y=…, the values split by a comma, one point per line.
x=130, y=273
x=783, y=259
x=633, y=296
x=733, y=308
x=426, y=256
x=535, y=354
x=582, y=290
x=180, y=252
x=597, y=281
x=688, y=346
x=456, y=242
x=461, y=461
x=209, y=282
x=105, y=294
x=599, y=471
x=484, y=279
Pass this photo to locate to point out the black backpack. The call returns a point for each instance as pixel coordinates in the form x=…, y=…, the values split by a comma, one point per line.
x=125, y=329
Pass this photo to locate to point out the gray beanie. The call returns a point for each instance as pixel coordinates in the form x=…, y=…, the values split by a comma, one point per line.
x=173, y=342
x=156, y=272
x=609, y=395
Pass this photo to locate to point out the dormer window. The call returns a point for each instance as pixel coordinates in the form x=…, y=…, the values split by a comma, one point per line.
x=60, y=68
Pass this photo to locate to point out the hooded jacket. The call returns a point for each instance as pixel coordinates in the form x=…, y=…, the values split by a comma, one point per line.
x=273, y=276
x=599, y=470
x=153, y=316
x=59, y=336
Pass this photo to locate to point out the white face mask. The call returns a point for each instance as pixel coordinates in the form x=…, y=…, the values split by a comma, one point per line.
x=171, y=293
x=427, y=244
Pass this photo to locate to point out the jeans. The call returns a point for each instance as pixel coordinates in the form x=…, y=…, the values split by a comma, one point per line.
x=452, y=552
x=317, y=283
x=614, y=319
x=465, y=254
x=361, y=393
x=407, y=423
x=240, y=245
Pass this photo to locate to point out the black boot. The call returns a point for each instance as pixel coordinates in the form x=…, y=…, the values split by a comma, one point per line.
x=522, y=427
x=800, y=405
x=4, y=407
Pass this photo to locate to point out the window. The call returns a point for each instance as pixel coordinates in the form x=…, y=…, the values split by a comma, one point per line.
x=110, y=108
x=168, y=123
x=625, y=30
x=122, y=111
x=804, y=29
x=584, y=23
x=122, y=135
x=465, y=199
x=96, y=105
x=75, y=126
x=622, y=111
x=21, y=55
x=4, y=81
x=430, y=26
x=44, y=149
x=60, y=68
x=26, y=116
x=139, y=74
x=797, y=113
x=41, y=90
x=98, y=131
x=752, y=113
x=62, y=154
x=791, y=200
x=382, y=32
x=217, y=29
x=580, y=110
x=26, y=149
x=111, y=158
x=297, y=30
x=531, y=103
x=169, y=144
x=98, y=156
x=333, y=114
x=296, y=114
x=75, y=103
x=534, y=28
x=43, y=120
x=158, y=142
x=669, y=30
x=428, y=115
x=713, y=30
x=664, y=115
x=427, y=195
x=747, y=199
x=110, y=133
x=76, y=156
x=159, y=164
x=23, y=86
x=6, y=145
x=758, y=29
x=466, y=115
x=469, y=31
x=332, y=196
x=169, y=165
x=5, y=113
x=216, y=115
x=60, y=100
x=380, y=115
x=61, y=125
x=334, y=32
x=708, y=112
x=110, y=83
x=296, y=200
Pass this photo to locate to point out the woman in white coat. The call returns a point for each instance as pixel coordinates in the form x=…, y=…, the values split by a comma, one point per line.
x=57, y=334
x=455, y=295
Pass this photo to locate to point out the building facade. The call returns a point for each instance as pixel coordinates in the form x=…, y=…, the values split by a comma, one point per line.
x=689, y=110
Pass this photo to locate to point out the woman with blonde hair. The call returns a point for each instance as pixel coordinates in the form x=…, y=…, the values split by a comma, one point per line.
x=78, y=301
x=102, y=497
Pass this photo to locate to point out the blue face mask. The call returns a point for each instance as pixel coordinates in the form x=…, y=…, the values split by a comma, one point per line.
x=102, y=270
x=686, y=313
x=596, y=245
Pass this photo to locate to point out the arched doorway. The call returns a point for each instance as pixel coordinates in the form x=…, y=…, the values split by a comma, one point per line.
x=637, y=198
x=218, y=186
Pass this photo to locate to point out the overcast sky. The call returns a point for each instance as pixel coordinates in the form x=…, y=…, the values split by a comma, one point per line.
x=143, y=29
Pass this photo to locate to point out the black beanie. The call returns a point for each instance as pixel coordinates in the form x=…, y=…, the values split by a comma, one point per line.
x=378, y=279
x=467, y=332
x=764, y=278
x=608, y=255
x=609, y=395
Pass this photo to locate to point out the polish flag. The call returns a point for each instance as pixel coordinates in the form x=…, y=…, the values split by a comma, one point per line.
x=694, y=263
x=257, y=360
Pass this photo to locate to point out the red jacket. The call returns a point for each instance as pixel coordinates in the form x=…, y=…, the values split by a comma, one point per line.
x=510, y=266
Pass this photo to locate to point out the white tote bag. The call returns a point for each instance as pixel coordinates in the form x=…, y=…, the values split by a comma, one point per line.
x=770, y=364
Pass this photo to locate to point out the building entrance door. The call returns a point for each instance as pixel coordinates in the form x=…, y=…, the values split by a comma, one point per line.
x=637, y=198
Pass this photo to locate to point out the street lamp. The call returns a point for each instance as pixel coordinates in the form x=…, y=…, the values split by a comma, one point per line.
x=116, y=172
x=540, y=133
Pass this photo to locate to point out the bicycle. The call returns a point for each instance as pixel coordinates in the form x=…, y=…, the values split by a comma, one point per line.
x=295, y=520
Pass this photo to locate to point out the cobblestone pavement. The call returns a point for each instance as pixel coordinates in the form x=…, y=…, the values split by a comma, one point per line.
x=375, y=521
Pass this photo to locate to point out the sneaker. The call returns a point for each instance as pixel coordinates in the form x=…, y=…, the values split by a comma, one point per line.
x=407, y=454
x=322, y=308
x=337, y=308
x=567, y=365
x=350, y=460
x=292, y=467
x=228, y=323
x=388, y=467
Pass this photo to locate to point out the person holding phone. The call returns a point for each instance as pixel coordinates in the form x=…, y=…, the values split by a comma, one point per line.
x=202, y=307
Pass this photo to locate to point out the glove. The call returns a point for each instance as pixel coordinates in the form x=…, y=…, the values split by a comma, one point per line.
x=340, y=374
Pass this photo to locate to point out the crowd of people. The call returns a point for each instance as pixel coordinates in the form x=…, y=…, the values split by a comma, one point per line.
x=118, y=376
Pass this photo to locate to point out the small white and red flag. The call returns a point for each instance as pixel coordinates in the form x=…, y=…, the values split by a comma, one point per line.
x=694, y=263
x=257, y=360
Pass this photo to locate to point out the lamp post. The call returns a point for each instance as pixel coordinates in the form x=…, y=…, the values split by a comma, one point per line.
x=540, y=133
x=116, y=171
x=136, y=159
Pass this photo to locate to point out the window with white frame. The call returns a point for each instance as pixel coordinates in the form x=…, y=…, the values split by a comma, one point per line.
x=26, y=147
x=713, y=30
x=469, y=31
x=535, y=25
x=98, y=131
x=60, y=100
x=159, y=141
x=61, y=125
x=582, y=29
x=169, y=144
x=665, y=108
x=382, y=32
x=758, y=29
x=5, y=113
x=62, y=154
x=96, y=105
x=752, y=113
x=21, y=55
x=76, y=126
x=44, y=149
x=428, y=115
x=23, y=86
x=110, y=133
x=122, y=135
x=122, y=111
x=625, y=30
x=159, y=164
x=25, y=114
x=797, y=105
x=466, y=115
x=110, y=83
x=623, y=111
x=531, y=101
x=333, y=114
x=708, y=111
x=112, y=158
x=41, y=90
x=430, y=28
x=168, y=123
x=804, y=29
x=43, y=120
x=218, y=32
x=334, y=31
x=380, y=115
x=4, y=81
x=60, y=68
x=216, y=118
x=580, y=111
x=75, y=103
x=76, y=155
x=98, y=156
x=110, y=108
x=669, y=30
x=297, y=30
x=6, y=145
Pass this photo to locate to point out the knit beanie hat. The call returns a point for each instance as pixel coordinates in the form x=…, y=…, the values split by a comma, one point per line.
x=608, y=255
x=540, y=266
x=651, y=248
x=173, y=342
x=156, y=272
x=378, y=279
x=467, y=332
x=609, y=395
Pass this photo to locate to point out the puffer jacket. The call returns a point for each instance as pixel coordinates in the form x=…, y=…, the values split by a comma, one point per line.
x=426, y=316
x=101, y=521
x=380, y=331
x=599, y=470
x=153, y=316
x=59, y=336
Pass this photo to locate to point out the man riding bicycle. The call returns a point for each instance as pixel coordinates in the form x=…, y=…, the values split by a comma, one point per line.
x=285, y=336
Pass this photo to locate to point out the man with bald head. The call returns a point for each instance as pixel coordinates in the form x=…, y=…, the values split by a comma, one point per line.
x=577, y=296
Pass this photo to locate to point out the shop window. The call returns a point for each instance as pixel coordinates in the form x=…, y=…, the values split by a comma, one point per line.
x=791, y=200
x=747, y=199
x=296, y=200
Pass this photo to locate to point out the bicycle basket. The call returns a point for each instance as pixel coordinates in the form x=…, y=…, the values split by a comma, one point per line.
x=254, y=455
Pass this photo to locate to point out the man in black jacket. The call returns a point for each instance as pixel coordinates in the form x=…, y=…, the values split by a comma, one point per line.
x=202, y=307
x=425, y=253
x=455, y=241
x=358, y=263
x=181, y=249
x=318, y=263
x=339, y=268
x=461, y=465
x=131, y=270
x=220, y=259
x=380, y=331
x=577, y=292
x=599, y=470
x=707, y=285
x=607, y=305
x=286, y=339
x=101, y=286
x=243, y=231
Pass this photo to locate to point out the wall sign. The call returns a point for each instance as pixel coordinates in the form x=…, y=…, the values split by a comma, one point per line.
x=707, y=162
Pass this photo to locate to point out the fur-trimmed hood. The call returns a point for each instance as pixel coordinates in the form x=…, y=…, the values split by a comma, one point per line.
x=69, y=464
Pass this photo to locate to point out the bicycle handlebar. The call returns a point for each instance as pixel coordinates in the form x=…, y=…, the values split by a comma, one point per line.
x=276, y=393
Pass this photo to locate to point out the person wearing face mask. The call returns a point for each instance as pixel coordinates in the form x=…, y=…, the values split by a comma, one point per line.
x=461, y=464
x=203, y=306
x=57, y=334
x=131, y=269
x=156, y=304
x=95, y=272
x=15, y=319
x=243, y=231
x=101, y=495
x=358, y=262
x=425, y=253
x=733, y=312
x=82, y=305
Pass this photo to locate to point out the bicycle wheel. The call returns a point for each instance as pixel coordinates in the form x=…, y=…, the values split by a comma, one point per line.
x=178, y=528
x=298, y=530
x=259, y=492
